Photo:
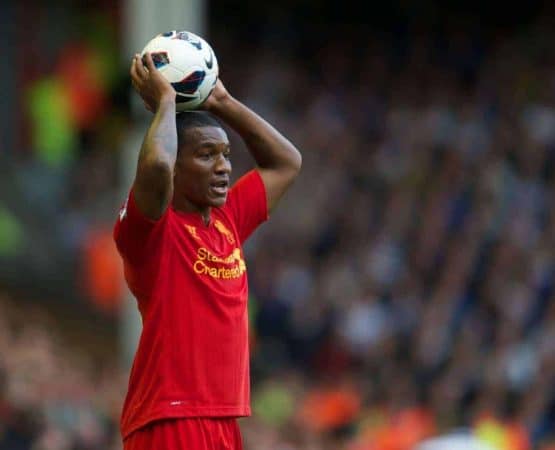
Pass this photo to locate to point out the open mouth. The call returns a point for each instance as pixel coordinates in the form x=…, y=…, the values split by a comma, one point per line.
x=219, y=187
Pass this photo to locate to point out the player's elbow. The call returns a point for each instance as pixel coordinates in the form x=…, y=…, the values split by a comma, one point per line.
x=290, y=159
x=295, y=162
x=285, y=161
x=290, y=168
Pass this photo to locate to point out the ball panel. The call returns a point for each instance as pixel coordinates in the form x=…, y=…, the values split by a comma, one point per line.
x=208, y=85
x=183, y=55
x=172, y=73
x=190, y=84
x=159, y=43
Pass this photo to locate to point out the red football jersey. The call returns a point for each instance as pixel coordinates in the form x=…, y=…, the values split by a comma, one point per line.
x=190, y=282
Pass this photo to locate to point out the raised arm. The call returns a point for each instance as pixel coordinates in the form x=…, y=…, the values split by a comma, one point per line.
x=277, y=159
x=153, y=185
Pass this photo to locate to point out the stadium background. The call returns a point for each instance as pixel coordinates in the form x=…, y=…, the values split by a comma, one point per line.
x=403, y=290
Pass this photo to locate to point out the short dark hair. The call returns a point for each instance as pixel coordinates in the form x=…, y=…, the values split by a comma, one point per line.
x=193, y=119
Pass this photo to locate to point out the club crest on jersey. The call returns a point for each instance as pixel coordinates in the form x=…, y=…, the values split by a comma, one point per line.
x=223, y=229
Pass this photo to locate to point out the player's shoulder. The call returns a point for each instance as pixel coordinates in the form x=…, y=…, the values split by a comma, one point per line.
x=244, y=187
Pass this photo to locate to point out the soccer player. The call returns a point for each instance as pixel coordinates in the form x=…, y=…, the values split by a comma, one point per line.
x=180, y=234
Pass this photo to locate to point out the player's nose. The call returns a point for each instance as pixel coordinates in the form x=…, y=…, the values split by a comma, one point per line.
x=222, y=164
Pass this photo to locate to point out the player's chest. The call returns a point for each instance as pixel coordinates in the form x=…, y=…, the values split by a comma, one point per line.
x=209, y=253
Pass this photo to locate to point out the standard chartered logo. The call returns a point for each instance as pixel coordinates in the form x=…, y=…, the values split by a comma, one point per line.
x=231, y=266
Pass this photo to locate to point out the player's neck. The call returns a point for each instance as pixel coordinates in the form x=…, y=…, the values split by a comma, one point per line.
x=186, y=206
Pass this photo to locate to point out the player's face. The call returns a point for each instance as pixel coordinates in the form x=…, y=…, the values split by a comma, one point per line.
x=203, y=167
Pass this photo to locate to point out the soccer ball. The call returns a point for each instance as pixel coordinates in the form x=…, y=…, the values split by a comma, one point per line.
x=188, y=62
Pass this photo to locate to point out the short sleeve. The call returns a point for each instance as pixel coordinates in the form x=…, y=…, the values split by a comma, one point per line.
x=134, y=233
x=247, y=203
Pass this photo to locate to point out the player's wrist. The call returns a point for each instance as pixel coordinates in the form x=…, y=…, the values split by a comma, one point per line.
x=167, y=100
x=219, y=104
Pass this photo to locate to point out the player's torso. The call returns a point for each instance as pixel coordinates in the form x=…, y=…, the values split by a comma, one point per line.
x=202, y=268
x=192, y=358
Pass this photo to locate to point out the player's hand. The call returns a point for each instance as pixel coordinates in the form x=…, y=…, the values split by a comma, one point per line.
x=150, y=83
x=217, y=97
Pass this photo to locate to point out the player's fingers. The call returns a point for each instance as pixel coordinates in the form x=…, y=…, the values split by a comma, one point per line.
x=136, y=81
x=132, y=69
x=149, y=62
x=142, y=71
x=135, y=71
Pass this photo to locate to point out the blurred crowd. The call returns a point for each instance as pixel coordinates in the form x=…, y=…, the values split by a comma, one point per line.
x=408, y=277
x=403, y=289
x=54, y=395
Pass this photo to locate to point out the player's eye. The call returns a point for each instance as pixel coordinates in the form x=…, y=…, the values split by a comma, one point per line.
x=227, y=155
